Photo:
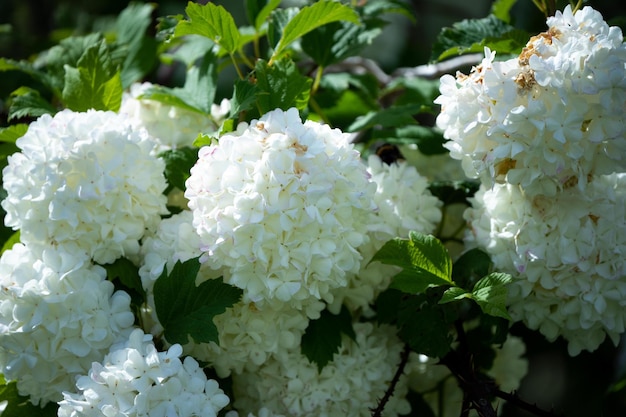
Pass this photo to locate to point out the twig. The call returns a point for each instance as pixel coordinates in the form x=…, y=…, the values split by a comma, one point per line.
x=531, y=408
x=404, y=358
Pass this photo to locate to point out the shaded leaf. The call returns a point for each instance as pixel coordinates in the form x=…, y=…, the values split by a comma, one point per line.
x=186, y=310
x=15, y=238
x=322, y=337
x=178, y=163
x=127, y=274
x=454, y=294
x=19, y=406
x=425, y=330
x=391, y=117
x=281, y=86
x=27, y=102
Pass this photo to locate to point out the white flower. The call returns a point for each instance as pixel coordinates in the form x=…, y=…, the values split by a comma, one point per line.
x=350, y=385
x=404, y=204
x=551, y=117
x=567, y=254
x=58, y=314
x=280, y=205
x=247, y=334
x=134, y=379
x=170, y=126
x=85, y=182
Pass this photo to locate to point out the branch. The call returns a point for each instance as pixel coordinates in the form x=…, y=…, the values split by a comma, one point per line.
x=404, y=358
x=531, y=408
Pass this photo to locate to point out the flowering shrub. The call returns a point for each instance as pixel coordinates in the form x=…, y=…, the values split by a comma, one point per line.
x=293, y=242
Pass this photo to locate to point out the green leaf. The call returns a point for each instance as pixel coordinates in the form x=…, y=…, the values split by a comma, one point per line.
x=336, y=41
x=428, y=140
x=12, y=133
x=244, y=97
x=468, y=36
x=490, y=294
x=502, y=9
x=322, y=337
x=203, y=140
x=259, y=10
x=424, y=328
x=281, y=86
x=178, y=163
x=127, y=274
x=27, y=102
x=470, y=267
x=186, y=310
x=140, y=50
x=424, y=259
x=19, y=406
x=454, y=294
x=310, y=18
x=213, y=22
x=95, y=84
x=15, y=238
x=391, y=117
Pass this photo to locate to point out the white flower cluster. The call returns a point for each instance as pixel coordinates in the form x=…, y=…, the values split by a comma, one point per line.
x=546, y=135
x=58, y=314
x=280, y=205
x=134, y=380
x=548, y=119
x=247, y=334
x=85, y=182
x=348, y=386
x=567, y=252
x=170, y=126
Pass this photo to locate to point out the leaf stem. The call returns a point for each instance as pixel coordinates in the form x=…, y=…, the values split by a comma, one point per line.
x=318, y=78
x=232, y=57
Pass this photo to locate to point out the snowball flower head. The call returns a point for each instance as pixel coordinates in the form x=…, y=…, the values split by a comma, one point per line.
x=567, y=254
x=170, y=126
x=135, y=379
x=58, y=314
x=280, y=204
x=547, y=119
x=350, y=385
x=85, y=182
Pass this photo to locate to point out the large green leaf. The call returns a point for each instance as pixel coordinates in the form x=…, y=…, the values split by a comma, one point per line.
x=322, y=337
x=391, y=117
x=213, y=22
x=281, y=86
x=27, y=102
x=259, y=10
x=178, y=163
x=20, y=406
x=12, y=133
x=310, y=18
x=423, y=258
x=490, y=294
x=186, y=310
x=95, y=83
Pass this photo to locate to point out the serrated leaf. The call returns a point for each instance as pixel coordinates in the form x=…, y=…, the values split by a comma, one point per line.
x=322, y=337
x=29, y=69
x=454, y=294
x=424, y=259
x=310, y=18
x=490, y=294
x=390, y=117
x=281, y=86
x=467, y=35
x=27, y=102
x=425, y=330
x=336, y=41
x=178, y=163
x=140, y=50
x=213, y=22
x=19, y=406
x=95, y=83
x=15, y=238
x=204, y=140
x=470, y=267
x=12, y=133
x=186, y=310
x=244, y=97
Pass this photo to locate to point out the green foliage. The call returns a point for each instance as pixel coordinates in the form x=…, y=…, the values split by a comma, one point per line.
x=186, y=310
x=281, y=85
x=213, y=22
x=27, y=102
x=473, y=35
x=178, y=163
x=19, y=406
x=502, y=9
x=12, y=133
x=310, y=18
x=258, y=11
x=8, y=244
x=95, y=83
x=425, y=262
x=322, y=337
x=125, y=275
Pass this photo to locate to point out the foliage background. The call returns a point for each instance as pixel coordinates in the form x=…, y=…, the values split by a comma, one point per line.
x=587, y=385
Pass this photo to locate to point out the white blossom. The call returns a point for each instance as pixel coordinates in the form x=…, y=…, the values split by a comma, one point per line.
x=279, y=205
x=85, y=182
x=58, y=314
x=566, y=253
x=135, y=379
x=350, y=385
x=548, y=118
